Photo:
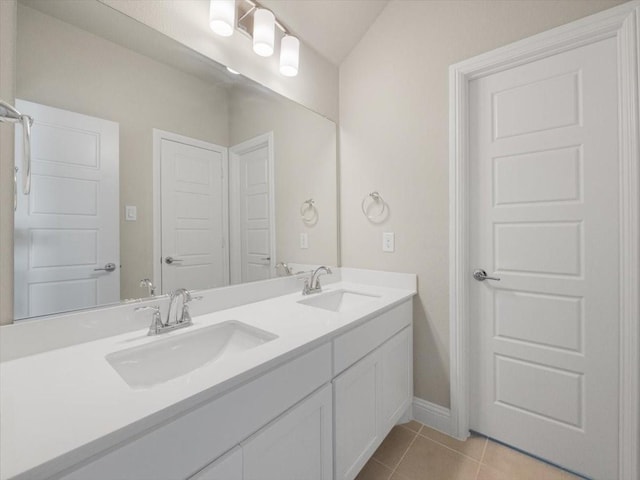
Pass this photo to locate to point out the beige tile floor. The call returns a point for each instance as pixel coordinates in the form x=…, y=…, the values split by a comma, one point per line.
x=413, y=451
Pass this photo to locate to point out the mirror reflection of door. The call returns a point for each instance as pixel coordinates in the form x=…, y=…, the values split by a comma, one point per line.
x=66, y=235
x=194, y=218
x=252, y=213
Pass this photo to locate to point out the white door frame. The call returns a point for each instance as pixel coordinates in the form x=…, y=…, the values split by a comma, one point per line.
x=158, y=136
x=234, y=202
x=623, y=24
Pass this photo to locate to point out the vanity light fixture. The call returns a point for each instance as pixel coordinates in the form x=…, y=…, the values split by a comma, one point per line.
x=289, y=56
x=222, y=17
x=259, y=24
x=264, y=32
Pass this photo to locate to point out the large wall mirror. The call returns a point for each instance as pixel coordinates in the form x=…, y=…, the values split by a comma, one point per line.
x=150, y=161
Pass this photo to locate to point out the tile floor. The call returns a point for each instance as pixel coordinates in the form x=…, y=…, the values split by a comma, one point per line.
x=413, y=451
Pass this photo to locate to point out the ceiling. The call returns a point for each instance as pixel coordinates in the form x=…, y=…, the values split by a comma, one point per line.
x=331, y=27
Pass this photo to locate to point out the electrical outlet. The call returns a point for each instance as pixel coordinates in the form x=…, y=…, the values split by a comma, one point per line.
x=130, y=213
x=388, y=242
x=304, y=240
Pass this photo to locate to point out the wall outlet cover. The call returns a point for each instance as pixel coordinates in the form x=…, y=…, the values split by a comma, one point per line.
x=388, y=242
x=304, y=240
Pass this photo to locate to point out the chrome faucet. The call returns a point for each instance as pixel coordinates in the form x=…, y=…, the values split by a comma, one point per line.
x=312, y=284
x=285, y=268
x=145, y=282
x=178, y=315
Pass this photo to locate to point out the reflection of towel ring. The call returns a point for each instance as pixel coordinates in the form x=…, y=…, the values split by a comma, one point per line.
x=377, y=198
x=308, y=211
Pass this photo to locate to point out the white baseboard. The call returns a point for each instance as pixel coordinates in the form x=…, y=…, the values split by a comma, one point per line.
x=432, y=415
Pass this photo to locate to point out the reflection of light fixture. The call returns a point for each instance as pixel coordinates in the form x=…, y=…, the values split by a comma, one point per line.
x=264, y=30
x=222, y=17
x=248, y=17
x=231, y=70
x=289, y=56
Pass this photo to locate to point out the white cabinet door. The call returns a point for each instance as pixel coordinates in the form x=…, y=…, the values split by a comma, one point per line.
x=227, y=467
x=357, y=415
x=397, y=377
x=296, y=446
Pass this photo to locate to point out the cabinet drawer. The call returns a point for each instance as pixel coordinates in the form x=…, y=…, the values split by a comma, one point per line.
x=185, y=445
x=356, y=343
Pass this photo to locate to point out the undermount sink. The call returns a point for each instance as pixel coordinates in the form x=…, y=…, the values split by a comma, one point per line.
x=339, y=300
x=167, y=358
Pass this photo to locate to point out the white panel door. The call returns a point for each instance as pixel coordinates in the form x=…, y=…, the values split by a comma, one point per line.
x=544, y=219
x=193, y=207
x=296, y=446
x=68, y=226
x=253, y=213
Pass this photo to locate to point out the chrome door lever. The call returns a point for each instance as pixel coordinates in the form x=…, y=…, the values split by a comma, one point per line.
x=109, y=267
x=481, y=276
x=171, y=260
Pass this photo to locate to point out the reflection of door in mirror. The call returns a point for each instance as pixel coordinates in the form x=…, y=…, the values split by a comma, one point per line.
x=253, y=217
x=194, y=219
x=66, y=231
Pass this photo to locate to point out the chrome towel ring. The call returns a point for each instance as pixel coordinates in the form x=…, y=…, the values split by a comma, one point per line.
x=308, y=211
x=376, y=199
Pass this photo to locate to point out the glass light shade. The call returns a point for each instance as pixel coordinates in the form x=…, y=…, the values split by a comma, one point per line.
x=264, y=29
x=222, y=17
x=289, y=56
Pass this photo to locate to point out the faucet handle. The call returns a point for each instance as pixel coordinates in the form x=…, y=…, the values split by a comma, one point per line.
x=186, y=315
x=156, y=322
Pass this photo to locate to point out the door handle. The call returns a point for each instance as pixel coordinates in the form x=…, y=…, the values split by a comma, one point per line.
x=266, y=259
x=109, y=267
x=481, y=276
x=171, y=260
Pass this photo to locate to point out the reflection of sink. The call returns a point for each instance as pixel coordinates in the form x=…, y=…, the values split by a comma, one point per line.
x=338, y=301
x=168, y=358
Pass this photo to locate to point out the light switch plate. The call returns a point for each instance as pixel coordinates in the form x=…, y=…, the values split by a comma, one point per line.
x=130, y=213
x=388, y=242
x=304, y=240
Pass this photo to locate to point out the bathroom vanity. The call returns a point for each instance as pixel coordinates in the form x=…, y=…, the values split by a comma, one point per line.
x=267, y=384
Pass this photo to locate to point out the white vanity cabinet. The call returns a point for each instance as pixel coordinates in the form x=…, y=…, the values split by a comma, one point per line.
x=373, y=394
x=341, y=399
x=228, y=467
x=184, y=446
x=296, y=446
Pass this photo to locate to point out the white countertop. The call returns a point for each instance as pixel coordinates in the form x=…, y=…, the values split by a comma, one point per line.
x=62, y=406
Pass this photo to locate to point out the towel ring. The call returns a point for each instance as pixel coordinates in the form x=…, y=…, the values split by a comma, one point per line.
x=308, y=211
x=377, y=199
